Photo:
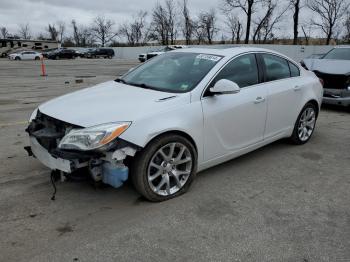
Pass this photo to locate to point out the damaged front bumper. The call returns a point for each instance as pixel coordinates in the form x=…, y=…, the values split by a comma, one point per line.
x=45, y=134
x=336, y=97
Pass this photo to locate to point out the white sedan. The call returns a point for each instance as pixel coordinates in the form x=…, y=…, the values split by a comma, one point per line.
x=25, y=55
x=177, y=114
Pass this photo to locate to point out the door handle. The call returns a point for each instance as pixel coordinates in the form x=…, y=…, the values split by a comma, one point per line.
x=297, y=88
x=259, y=100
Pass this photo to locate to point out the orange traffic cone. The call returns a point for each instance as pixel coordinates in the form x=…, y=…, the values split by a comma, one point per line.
x=43, y=68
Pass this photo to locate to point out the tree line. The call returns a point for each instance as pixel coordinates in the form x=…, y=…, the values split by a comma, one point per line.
x=234, y=21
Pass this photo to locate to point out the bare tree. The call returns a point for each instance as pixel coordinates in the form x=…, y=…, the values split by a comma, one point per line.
x=188, y=25
x=247, y=6
x=172, y=20
x=164, y=21
x=61, y=30
x=4, y=32
x=52, y=31
x=329, y=13
x=265, y=26
x=207, y=21
x=347, y=27
x=82, y=36
x=199, y=31
x=296, y=6
x=234, y=26
x=24, y=31
x=102, y=29
x=136, y=32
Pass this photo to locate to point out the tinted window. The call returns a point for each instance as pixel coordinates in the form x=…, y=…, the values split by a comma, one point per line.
x=294, y=70
x=242, y=70
x=276, y=67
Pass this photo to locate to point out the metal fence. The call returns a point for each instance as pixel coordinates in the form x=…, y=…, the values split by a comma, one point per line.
x=295, y=52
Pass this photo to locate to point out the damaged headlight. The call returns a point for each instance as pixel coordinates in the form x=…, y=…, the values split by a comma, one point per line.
x=93, y=137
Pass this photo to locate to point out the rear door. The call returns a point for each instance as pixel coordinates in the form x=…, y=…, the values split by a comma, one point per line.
x=284, y=84
x=235, y=121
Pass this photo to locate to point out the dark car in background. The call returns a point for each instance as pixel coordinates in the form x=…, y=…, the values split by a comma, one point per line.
x=334, y=70
x=100, y=52
x=62, y=54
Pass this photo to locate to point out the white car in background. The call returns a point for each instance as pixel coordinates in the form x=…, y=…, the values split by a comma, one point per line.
x=25, y=55
x=145, y=57
x=177, y=114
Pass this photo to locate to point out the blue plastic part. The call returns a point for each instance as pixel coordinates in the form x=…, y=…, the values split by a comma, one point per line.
x=114, y=175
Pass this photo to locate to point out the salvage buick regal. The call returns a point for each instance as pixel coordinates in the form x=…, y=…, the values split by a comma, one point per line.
x=177, y=114
x=334, y=69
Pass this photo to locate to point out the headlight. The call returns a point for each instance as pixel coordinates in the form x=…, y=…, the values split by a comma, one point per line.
x=93, y=137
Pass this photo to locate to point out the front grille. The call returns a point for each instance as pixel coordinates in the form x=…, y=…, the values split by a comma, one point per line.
x=48, y=130
x=333, y=81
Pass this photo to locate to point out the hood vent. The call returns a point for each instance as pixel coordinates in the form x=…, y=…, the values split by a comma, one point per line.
x=165, y=98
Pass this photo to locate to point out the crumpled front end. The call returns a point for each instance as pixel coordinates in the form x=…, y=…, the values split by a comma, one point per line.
x=106, y=166
x=336, y=88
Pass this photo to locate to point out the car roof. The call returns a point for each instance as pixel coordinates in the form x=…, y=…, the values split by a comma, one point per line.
x=226, y=52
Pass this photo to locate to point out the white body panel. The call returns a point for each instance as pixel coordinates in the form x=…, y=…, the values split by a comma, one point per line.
x=221, y=126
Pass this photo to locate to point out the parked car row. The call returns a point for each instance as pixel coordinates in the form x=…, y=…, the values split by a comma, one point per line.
x=63, y=53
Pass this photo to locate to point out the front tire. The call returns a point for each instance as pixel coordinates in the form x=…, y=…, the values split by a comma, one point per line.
x=165, y=168
x=305, y=125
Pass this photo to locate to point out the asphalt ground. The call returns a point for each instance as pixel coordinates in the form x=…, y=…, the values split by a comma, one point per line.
x=279, y=203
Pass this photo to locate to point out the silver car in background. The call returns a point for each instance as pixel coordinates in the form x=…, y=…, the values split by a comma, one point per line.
x=334, y=70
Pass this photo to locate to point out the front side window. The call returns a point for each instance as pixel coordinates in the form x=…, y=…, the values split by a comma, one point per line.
x=175, y=72
x=242, y=70
x=276, y=67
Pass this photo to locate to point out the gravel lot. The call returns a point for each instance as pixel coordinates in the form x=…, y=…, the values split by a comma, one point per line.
x=280, y=203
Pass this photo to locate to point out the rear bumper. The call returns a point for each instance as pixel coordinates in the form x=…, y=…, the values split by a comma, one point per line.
x=48, y=160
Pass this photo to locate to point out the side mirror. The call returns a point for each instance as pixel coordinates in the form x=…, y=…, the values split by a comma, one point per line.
x=225, y=86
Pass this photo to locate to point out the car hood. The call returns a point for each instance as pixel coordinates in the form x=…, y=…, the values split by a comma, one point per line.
x=338, y=67
x=111, y=102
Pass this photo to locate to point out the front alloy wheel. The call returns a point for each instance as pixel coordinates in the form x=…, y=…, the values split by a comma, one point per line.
x=169, y=169
x=165, y=168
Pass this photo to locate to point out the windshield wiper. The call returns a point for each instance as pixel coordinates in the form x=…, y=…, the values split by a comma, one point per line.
x=120, y=80
x=142, y=85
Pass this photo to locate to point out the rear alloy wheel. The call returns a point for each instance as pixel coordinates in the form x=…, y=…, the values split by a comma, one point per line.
x=305, y=125
x=165, y=168
x=57, y=57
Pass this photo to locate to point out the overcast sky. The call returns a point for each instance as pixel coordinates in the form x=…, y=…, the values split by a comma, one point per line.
x=38, y=13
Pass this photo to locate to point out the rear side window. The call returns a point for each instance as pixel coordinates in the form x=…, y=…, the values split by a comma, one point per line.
x=294, y=70
x=276, y=67
x=242, y=70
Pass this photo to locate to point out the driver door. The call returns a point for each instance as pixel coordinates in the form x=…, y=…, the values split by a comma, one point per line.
x=233, y=122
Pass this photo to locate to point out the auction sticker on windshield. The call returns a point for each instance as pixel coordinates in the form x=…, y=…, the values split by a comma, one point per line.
x=209, y=57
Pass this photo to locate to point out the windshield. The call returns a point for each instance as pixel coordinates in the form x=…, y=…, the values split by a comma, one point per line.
x=175, y=72
x=338, y=54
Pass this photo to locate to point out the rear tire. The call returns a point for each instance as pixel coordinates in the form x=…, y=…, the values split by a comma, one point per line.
x=17, y=58
x=177, y=168
x=305, y=125
x=57, y=57
x=37, y=58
